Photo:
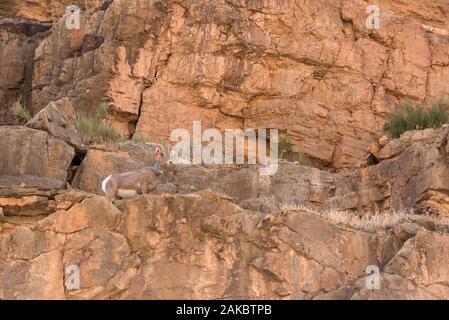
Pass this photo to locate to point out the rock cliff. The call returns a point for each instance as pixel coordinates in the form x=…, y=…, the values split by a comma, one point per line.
x=311, y=68
x=223, y=233
x=202, y=246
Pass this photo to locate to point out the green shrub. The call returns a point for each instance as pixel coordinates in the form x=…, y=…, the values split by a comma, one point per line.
x=19, y=111
x=285, y=146
x=411, y=117
x=304, y=160
x=102, y=111
x=138, y=137
x=286, y=152
x=93, y=129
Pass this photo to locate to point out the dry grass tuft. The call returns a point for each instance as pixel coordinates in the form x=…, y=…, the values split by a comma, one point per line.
x=417, y=117
x=93, y=129
x=21, y=112
x=366, y=222
x=138, y=137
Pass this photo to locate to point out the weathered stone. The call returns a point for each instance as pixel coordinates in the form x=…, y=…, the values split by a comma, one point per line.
x=66, y=200
x=384, y=140
x=59, y=120
x=27, y=244
x=315, y=71
x=309, y=68
x=202, y=246
x=412, y=175
x=405, y=231
x=33, y=159
x=39, y=278
x=107, y=252
x=418, y=270
x=18, y=40
x=211, y=234
x=90, y=213
x=45, y=10
x=26, y=206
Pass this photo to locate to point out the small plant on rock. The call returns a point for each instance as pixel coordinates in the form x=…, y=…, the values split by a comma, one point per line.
x=416, y=117
x=304, y=160
x=285, y=146
x=286, y=152
x=138, y=137
x=93, y=129
x=19, y=111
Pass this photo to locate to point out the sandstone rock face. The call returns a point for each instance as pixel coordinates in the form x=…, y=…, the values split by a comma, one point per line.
x=44, y=10
x=310, y=68
x=26, y=206
x=292, y=184
x=33, y=159
x=314, y=69
x=215, y=236
x=412, y=273
x=412, y=174
x=18, y=40
x=202, y=246
x=59, y=120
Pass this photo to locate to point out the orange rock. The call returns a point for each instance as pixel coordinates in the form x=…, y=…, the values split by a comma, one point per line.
x=330, y=94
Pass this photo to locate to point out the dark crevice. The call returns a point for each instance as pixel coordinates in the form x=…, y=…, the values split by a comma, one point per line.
x=23, y=26
x=75, y=165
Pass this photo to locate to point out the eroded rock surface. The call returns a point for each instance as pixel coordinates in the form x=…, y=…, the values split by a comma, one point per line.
x=411, y=274
x=44, y=10
x=310, y=68
x=412, y=174
x=59, y=120
x=18, y=41
x=31, y=158
x=202, y=246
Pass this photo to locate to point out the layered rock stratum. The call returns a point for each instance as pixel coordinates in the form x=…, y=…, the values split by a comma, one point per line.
x=202, y=246
x=225, y=233
x=309, y=68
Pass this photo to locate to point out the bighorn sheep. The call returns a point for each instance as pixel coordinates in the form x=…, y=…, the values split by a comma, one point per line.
x=130, y=184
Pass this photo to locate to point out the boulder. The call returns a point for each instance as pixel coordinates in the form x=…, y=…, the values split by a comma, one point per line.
x=26, y=206
x=407, y=230
x=90, y=213
x=33, y=159
x=418, y=271
x=58, y=118
x=412, y=175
